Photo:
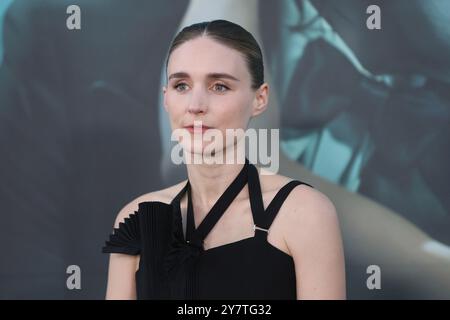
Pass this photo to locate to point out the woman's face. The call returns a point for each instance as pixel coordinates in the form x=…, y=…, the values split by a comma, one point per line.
x=211, y=83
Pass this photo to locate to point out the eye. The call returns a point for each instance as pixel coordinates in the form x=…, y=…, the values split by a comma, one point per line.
x=180, y=86
x=220, y=87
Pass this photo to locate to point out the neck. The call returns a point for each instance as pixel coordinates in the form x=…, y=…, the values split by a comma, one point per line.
x=209, y=181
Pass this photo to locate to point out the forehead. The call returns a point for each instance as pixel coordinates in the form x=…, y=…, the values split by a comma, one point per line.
x=203, y=55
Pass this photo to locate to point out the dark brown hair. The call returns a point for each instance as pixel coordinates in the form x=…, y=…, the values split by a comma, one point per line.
x=233, y=36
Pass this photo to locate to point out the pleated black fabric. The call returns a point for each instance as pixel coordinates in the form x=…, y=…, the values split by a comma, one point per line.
x=146, y=232
x=174, y=266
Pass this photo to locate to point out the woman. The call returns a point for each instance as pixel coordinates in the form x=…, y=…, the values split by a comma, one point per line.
x=372, y=233
x=230, y=231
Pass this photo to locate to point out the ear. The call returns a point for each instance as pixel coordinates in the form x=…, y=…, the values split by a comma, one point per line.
x=164, y=89
x=261, y=99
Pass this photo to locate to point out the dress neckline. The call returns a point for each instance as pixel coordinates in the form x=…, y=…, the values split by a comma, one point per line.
x=197, y=235
x=262, y=218
x=183, y=251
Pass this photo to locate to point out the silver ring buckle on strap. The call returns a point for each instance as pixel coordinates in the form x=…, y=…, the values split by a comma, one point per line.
x=262, y=229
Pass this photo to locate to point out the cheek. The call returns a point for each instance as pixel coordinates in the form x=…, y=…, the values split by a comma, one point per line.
x=234, y=112
x=174, y=106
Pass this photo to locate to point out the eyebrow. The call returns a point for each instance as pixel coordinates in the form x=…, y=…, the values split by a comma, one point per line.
x=214, y=75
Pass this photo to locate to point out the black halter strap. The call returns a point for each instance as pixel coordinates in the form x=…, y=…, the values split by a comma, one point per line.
x=198, y=235
x=263, y=218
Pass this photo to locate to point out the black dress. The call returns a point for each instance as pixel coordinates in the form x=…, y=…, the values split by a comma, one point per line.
x=176, y=267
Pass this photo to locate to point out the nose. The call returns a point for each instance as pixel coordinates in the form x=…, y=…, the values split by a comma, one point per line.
x=198, y=101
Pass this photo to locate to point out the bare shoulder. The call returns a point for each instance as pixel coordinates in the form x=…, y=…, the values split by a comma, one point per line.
x=309, y=203
x=304, y=208
x=164, y=195
x=272, y=183
x=310, y=222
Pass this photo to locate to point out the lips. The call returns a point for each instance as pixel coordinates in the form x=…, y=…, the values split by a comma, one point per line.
x=200, y=128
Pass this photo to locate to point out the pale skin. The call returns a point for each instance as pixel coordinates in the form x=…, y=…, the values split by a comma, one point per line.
x=306, y=226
